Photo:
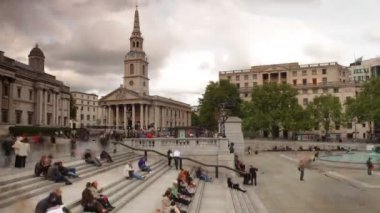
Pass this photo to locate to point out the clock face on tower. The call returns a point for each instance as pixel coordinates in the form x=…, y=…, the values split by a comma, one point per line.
x=131, y=83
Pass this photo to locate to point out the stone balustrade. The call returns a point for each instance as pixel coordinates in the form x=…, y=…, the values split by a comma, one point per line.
x=187, y=146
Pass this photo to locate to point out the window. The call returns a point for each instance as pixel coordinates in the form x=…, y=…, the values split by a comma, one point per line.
x=304, y=81
x=81, y=117
x=88, y=117
x=48, y=97
x=229, y=78
x=245, y=84
x=304, y=72
x=30, y=118
x=324, y=71
x=133, y=44
x=245, y=77
x=294, y=73
x=5, y=90
x=295, y=82
x=337, y=127
x=4, y=115
x=254, y=76
x=30, y=94
x=314, y=72
x=93, y=117
x=49, y=116
x=314, y=81
x=143, y=69
x=349, y=125
x=94, y=109
x=131, y=69
x=245, y=94
x=81, y=108
x=237, y=78
x=305, y=101
x=81, y=101
x=144, y=84
x=363, y=124
x=336, y=90
x=238, y=85
x=137, y=44
x=304, y=91
x=315, y=91
x=88, y=108
x=325, y=90
x=18, y=116
x=18, y=92
x=324, y=80
x=130, y=83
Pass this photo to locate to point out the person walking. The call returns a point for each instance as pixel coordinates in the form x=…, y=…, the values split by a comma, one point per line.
x=170, y=157
x=301, y=168
x=22, y=149
x=252, y=172
x=6, y=145
x=369, y=166
x=177, y=156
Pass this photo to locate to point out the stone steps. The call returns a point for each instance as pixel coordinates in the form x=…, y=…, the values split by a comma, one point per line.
x=117, y=189
x=242, y=203
x=28, y=191
x=196, y=202
x=80, y=166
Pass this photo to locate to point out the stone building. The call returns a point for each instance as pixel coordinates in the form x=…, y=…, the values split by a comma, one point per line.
x=311, y=80
x=363, y=70
x=88, y=110
x=131, y=105
x=29, y=96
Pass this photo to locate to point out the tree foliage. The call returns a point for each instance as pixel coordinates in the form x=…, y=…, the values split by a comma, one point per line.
x=273, y=106
x=325, y=111
x=73, y=108
x=194, y=119
x=219, y=97
x=366, y=106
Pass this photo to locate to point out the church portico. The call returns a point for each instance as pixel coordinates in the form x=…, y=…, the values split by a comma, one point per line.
x=130, y=106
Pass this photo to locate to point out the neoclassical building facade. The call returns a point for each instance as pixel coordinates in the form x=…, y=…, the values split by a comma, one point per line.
x=29, y=96
x=131, y=105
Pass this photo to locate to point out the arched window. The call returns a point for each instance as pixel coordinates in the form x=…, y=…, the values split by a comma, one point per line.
x=137, y=44
x=131, y=69
x=133, y=44
x=143, y=69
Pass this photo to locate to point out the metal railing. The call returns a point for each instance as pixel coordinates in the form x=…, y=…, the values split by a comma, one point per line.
x=182, y=158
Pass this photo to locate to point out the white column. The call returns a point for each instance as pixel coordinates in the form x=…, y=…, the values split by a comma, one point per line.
x=1, y=98
x=53, y=109
x=11, y=109
x=141, y=116
x=68, y=112
x=146, y=116
x=125, y=117
x=57, y=108
x=109, y=116
x=45, y=107
x=117, y=116
x=156, y=116
x=41, y=100
x=163, y=124
x=133, y=116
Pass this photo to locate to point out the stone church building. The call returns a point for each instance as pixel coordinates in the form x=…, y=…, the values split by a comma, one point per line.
x=131, y=105
x=29, y=96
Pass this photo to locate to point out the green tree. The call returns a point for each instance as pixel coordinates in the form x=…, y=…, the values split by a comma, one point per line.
x=325, y=111
x=220, y=99
x=365, y=107
x=273, y=106
x=73, y=108
x=194, y=119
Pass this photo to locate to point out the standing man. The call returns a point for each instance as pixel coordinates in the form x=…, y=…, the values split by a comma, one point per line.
x=369, y=166
x=7, y=148
x=252, y=172
x=177, y=156
x=170, y=156
x=301, y=168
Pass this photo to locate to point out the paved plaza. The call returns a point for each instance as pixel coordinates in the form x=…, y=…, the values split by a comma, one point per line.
x=279, y=190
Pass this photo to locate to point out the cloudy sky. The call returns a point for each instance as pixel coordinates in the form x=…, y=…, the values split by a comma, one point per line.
x=187, y=41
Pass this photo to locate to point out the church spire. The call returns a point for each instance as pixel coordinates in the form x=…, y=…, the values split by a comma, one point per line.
x=136, y=25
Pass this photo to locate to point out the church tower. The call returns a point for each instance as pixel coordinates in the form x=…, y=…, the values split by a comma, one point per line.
x=136, y=62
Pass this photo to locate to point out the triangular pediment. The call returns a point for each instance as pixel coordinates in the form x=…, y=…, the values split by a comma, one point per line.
x=121, y=94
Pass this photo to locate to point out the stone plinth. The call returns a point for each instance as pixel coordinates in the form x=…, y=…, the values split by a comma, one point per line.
x=235, y=134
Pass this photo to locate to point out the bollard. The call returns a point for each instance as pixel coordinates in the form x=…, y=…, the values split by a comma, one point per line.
x=146, y=154
x=216, y=172
x=114, y=148
x=180, y=163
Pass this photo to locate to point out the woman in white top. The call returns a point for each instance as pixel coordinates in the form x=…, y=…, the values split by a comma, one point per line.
x=22, y=149
x=129, y=172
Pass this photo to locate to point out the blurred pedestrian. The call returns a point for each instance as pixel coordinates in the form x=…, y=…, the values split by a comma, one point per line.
x=6, y=145
x=369, y=166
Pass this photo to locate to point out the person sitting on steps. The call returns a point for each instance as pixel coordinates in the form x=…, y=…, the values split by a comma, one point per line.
x=105, y=156
x=202, y=176
x=232, y=185
x=42, y=166
x=129, y=172
x=54, y=200
x=142, y=165
x=55, y=175
x=67, y=171
x=102, y=199
x=90, y=158
x=89, y=202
